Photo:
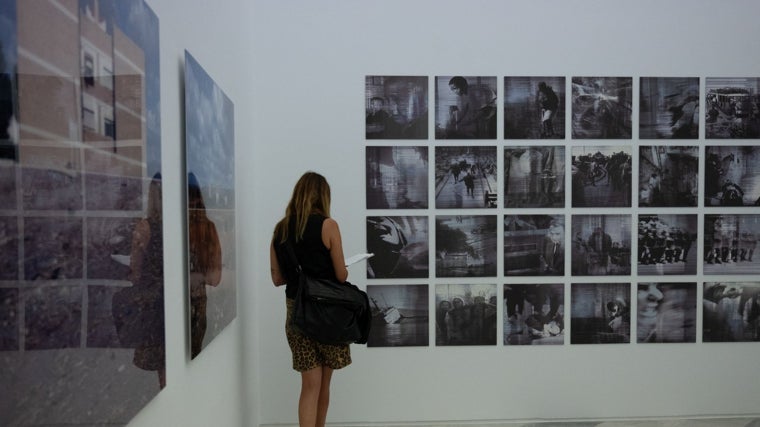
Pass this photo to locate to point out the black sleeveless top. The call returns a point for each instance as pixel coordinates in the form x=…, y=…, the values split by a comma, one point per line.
x=312, y=254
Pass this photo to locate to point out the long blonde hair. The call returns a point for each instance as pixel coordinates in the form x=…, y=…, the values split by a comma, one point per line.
x=310, y=195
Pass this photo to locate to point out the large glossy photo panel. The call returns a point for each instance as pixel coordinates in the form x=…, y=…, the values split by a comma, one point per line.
x=534, y=314
x=534, y=107
x=400, y=315
x=731, y=311
x=465, y=314
x=396, y=107
x=601, y=107
x=400, y=247
x=465, y=246
x=397, y=177
x=731, y=175
x=466, y=177
x=465, y=107
x=600, y=313
x=732, y=107
x=669, y=108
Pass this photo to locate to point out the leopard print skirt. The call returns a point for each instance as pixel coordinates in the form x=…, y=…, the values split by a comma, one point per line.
x=309, y=354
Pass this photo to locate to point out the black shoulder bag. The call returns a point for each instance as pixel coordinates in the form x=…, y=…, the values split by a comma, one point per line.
x=328, y=311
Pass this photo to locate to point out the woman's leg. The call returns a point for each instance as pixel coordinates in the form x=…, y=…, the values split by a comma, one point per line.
x=324, y=396
x=311, y=383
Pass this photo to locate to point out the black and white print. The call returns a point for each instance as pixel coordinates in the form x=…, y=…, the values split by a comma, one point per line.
x=465, y=314
x=396, y=107
x=732, y=177
x=668, y=176
x=600, y=313
x=730, y=243
x=667, y=244
x=731, y=311
x=601, y=245
x=397, y=177
x=534, y=245
x=534, y=314
x=666, y=312
x=465, y=177
x=465, y=246
x=601, y=107
x=534, y=107
x=601, y=176
x=534, y=177
x=400, y=247
x=669, y=108
x=733, y=107
x=465, y=107
x=400, y=315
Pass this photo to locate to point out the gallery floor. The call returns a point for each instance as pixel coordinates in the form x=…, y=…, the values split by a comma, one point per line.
x=668, y=422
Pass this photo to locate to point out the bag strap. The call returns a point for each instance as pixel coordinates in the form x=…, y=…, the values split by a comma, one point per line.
x=292, y=254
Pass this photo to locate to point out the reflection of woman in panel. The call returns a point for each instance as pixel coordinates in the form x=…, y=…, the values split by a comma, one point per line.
x=205, y=259
x=147, y=274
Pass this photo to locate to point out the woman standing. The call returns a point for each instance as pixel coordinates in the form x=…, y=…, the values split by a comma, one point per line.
x=316, y=240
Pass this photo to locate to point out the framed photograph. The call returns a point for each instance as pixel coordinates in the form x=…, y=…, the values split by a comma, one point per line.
x=601, y=176
x=732, y=107
x=534, y=245
x=465, y=177
x=465, y=107
x=601, y=107
x=666, y=312
x=534, y=108
x=396, y=107
x=731, y=177
x=534, y=314
x=730, y=242
x=400, y=245
x=601, y=245
x=668, y=176
x=397, y=177
x=534, y=177
x=465, y=245
x=667, y=244
x=731, y=311
x=465, y=314
x=669, y=108
x=400, y=315
x=600, y=313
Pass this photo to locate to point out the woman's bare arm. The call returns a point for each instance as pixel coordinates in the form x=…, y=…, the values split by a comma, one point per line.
x=274, y=267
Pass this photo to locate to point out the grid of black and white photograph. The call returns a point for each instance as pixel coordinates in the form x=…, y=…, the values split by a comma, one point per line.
x=534, y=245
x=400, y=245
x=733, y=107
x=534, y=177
x=397, y=177
x=600, y=313
x=465, y=246
x=729, y=244
x=732, y=175
x=667, y=244
x=534, y=314
x=465, y=314
x=601, y=245
x=666, y=312
x=731, y=311
x=396, y=107
x=668, y=176
x=400, y=315
x=534, y=107
x=465, y=177
x=465, y=107
x=669, y=108
x=601, y=107
x=601, y=176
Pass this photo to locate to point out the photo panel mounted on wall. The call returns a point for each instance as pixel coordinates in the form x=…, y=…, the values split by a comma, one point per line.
x=400, y=245
x=534, y=245
x=732, y=176
x=210, y=165
x=601, y=176
x=465, y=107
x=666, y=312
x=465, y=177
x=465, y=246
x=534, y=107
x=601, y=107
x=396, y=107
x=669, y=108
x=465, y=314
x=733, y=107
x=730, y=242
x=397, y=177
x=667, y=244
x=668, y=176
x=600, y=313
x=601, y=245
x=534, y=314
x=731, y=312
x=400, y=315
x=534, y=177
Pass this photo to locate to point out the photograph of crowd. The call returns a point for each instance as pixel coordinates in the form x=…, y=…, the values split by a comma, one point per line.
x=666, y=313
x=534, y=314
x=400, y=247
x=601, y=176
x=601, y=245
x=400, y=315
x=669, y=108
x=465, y=246
x=600, y=313
x=729, y=244
x=732, y=107
x=465, y=177
x=534, y=107
x=668, y=176
x=731, y=312
x=534, y=245
x=534, y=177
x=397, y=177
x=667, y=244
x=465, y=314
x=601, y=107
x=465, y=107
x=732, y=177
x=396, y=107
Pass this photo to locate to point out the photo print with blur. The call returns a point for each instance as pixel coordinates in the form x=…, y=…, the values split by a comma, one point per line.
x=534, y=177
x=465, y=177
x=732, y=177
x=465, y=107
x=396, y=107
x=732, y=106
x=400, y=247
x=666, y=312
x=669, y=108
x=400, y=315
x=397, y=177
x=534, y=245
x=465, y=314
x=465, y=245
x=731, y=312
x=667, y=244
x=534, y=314
x=730, y=242
x=601, y=107
x=668, y=176
x=601, y=245
x=534, y=107
x=601, y=176
x=600, y=313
